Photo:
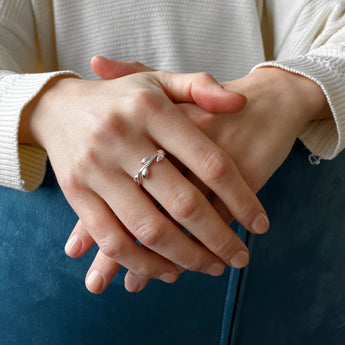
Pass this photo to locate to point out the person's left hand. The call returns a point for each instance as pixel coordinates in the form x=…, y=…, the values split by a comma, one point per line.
x=280, y=106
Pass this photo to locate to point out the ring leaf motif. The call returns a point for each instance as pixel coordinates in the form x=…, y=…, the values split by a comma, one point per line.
x=145, y=160
x=160, y=157
x=145, y=173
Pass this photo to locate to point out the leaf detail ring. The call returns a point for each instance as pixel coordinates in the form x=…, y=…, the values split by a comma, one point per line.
x=147, y=161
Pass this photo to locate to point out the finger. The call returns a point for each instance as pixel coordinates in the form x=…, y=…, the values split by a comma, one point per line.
x=202, y=89
x=140, y=216
x=213, y=166
x=79, y=242
x=199, y=88
x=190, y=208
x=115, y=243
x=135, y=283
x=217, y=203
x=102, y=271
x=112, y=69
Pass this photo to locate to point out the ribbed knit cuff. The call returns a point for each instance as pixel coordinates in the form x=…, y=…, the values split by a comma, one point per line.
x=324, y=138
x=22, y=167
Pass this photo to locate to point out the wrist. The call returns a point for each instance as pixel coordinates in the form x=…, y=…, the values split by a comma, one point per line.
x=36, y=114
x=302, y=96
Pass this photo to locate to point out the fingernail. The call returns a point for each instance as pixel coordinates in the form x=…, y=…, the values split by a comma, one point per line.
x=133, y=286
x=260, y=224
x=240, y=259
x=95, y=281
x=73, y=245
x=168, y=277
x=216, y=269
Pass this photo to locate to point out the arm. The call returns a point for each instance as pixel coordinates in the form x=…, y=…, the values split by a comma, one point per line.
x=307, y=37
x=97, y=132
x=86, y=128
x=311, y=44
x=22, y=166
x=280, y=106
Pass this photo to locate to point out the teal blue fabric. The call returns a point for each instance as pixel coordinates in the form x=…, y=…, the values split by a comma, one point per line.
x=292, y=292
x=44, y=300
x=294, y=289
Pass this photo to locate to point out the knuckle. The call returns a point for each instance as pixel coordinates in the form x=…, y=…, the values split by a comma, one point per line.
x=245, y=206
x=113, y=248
x=108, y=128
x=93, y=221
x=198, y=264
x=205, y=76
x=224, y=248
x=216, y=167
x=70, y=184
x=141, y=98
x=145, y=102
x=137, y=65
x=186, y=205
x=150, y=233
x=85, y=159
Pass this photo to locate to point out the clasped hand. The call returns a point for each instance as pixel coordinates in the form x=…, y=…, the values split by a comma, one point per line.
x=97, y=132
x=280, y=106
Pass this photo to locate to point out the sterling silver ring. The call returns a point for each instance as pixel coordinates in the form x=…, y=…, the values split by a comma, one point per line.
x=147, y=161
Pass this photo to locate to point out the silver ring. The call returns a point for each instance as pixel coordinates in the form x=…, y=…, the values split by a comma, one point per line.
x=147, y=161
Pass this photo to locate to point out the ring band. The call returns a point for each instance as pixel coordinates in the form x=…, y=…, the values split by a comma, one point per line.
x=147, y=161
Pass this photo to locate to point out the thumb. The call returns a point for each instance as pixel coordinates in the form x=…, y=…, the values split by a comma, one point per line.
x=112, y=69
x=201, y=88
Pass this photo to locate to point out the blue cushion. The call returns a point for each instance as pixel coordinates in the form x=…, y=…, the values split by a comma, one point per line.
x=292, y=292
x=44, y=300
x=295, y=288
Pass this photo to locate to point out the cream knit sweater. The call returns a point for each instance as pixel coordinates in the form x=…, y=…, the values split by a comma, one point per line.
x=40, y=39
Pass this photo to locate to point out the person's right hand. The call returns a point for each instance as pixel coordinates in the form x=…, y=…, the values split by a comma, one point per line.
x=97, y=132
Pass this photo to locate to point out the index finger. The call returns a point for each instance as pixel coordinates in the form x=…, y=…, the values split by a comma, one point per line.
x=213, y=166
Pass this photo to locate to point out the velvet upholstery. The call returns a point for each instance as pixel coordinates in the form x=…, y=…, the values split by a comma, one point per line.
x=44, y=300
x=292, y=292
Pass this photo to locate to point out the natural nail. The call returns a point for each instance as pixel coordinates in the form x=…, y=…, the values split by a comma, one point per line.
x=240, y=259
x=260, y=224
x=73, y=245
x=95, y=281
x=216, y=269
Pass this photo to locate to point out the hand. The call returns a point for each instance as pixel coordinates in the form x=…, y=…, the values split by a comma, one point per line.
x=96, y=133
x=280, y=106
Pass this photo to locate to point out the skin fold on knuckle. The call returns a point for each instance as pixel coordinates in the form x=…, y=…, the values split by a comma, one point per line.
x=113, y=248
x=247, y=208
x=226, y=248
x=215, y=168
x=70, y=183
x=199, y=263
x=143, y=102
x=84, y=162
x=150, y=232
x=107, y=129
x=185, y=206
x=203, y=78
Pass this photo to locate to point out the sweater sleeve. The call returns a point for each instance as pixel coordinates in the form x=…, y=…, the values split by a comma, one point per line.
x=21, y=166
x=313, y=45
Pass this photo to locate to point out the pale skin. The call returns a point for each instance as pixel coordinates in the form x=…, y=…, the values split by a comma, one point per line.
x=258, y=138
x=97, y=132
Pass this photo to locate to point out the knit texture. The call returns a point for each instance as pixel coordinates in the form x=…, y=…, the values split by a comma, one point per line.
x=224, y=38
x=315, y=48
